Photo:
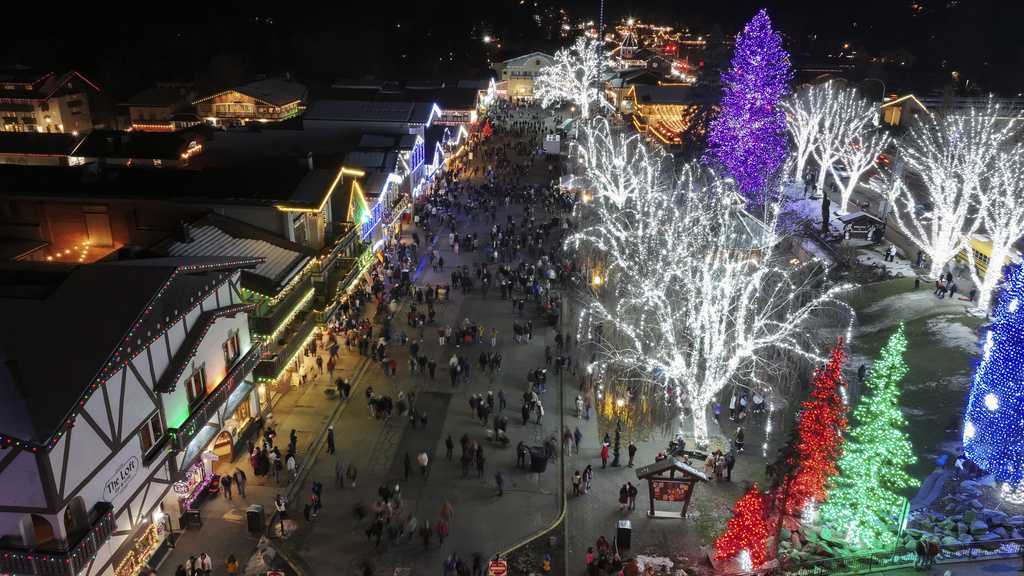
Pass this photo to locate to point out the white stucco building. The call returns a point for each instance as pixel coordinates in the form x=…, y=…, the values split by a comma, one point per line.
x=120, y=385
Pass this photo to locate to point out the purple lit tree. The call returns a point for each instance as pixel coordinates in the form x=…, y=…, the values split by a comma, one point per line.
x=748, y=137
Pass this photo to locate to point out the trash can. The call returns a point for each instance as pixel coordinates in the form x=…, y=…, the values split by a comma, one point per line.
x=538, y=459
x=624, y=534
x=255, y=518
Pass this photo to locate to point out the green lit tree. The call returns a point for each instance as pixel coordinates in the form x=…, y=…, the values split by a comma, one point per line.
x=864, y=499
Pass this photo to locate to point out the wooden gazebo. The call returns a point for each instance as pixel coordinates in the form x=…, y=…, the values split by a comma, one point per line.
x=670, y=480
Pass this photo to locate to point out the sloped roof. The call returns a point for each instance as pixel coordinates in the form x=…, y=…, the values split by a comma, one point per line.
x=135, y=144
x=272, y=91
x=217, y=235
x=102, y=303
x=525, y=57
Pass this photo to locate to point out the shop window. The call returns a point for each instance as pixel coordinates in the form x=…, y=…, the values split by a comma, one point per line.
x=196, y=386
x=151, y=433
x=231, y=349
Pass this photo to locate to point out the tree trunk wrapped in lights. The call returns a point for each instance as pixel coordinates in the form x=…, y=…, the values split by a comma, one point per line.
x=574, y=77
x=1002, y=215
x=864, y=499
x=693, y=298
x=948, y=161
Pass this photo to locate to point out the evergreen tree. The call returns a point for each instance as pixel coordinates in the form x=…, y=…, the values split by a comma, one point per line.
x=749, y=135
x=994, y=424
x=863, y=500
x=746, y=535
x=820, y=435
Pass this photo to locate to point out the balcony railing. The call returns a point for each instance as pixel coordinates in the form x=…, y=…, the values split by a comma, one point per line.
x=207, y=408
x=68, y=561
x=272, y=367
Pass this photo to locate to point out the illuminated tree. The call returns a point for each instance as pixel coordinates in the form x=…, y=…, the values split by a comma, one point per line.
x=863, y=500
x=804, y=112
x=574, y=77
x=694, y=298
x=819, y=436
x=845, y=116
x=948, y=160
x=994, y=426
x=1002, y=216
x=748, y=137
x=746, y=536
x=857, y=157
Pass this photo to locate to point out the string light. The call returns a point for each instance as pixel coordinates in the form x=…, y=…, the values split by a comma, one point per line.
x=1002, y=213
x=864, y=499
x=573, y=77
x=694, y=300
x=819, y=435
x=994, y=427
x=131, y=345
x=748, y=136
x=747, y=532
x=951, y=157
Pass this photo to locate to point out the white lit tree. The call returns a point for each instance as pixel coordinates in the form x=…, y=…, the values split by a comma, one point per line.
x=844, y=115
x=574, y=77
x=858, y=156
x=1002, y=216
x=693, y=298
x=936, y=194
x=804, y=111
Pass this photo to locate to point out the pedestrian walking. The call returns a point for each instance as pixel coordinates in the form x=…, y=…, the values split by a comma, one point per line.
x=352, y=472
x=632, y=453
x=442, y=530
x=623, y=498
x=240, y=481
x=577, y=438
x=499, y=480
x=448, y=447
x=339, y=474
x=577, y=483
x=423, y=460
x=631, y=492
x=225, y=483
x=604, y=455
x=330, y=440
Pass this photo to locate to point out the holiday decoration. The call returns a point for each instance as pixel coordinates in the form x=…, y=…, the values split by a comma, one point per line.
x=1002, y=215
x=949, y=159
x=993, y=428
x=749, y=135
x=819, y=436
x=863, y=500
x=747, y=533
x=574, y=77
x=691, y=297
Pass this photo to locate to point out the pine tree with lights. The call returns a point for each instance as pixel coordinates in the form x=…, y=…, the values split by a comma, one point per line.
x=746, y=535
x=994, y=427
x=863, y=500
x=819, y=436
x=748, y=136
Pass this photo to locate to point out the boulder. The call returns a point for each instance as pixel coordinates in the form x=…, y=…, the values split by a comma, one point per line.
x=970, y=516
x=968, y=485
x=979, y=527
x=785, y=533
x=987, y=480
x=1015, y=521
x=961, y=527
x=966, y=539
x=976, y=504
x=989, y=541
x=950, y=542
x=1015, y=534
x=1001, y=532
x=951, y=508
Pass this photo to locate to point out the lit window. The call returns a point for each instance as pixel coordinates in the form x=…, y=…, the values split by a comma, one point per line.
x=151, y=433
x=196, y=385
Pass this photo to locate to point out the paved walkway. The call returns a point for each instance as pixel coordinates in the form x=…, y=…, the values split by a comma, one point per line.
x=984, y=568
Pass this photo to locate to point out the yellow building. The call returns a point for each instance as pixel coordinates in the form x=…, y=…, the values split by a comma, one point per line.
x=518, y=74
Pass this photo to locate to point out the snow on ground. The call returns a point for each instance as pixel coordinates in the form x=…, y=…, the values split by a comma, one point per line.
x=904, y=306
x=899, y=268
x=953, y=334
x=799, y=208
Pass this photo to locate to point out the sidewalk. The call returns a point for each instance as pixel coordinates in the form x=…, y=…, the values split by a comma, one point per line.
x=307, y=410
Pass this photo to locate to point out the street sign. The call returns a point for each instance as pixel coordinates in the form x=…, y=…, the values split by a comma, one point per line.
x=497, y=568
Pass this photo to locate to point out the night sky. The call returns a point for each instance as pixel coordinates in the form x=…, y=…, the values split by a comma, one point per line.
x=128, y=47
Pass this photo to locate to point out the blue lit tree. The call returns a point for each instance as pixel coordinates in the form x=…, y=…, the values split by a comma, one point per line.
x=748, y=137
x=994, y=424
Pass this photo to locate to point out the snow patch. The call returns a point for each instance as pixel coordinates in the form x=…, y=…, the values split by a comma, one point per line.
x=898, y=268
x=953, y=334
x=905, y=306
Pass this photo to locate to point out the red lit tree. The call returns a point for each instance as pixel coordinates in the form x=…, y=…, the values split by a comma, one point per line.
x=820, y=435
x=747, y=531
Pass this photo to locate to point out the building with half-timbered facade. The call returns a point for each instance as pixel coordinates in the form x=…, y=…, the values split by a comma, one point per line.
x=121, y=385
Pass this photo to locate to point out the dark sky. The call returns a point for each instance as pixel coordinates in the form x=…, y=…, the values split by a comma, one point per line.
x=128, y=47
